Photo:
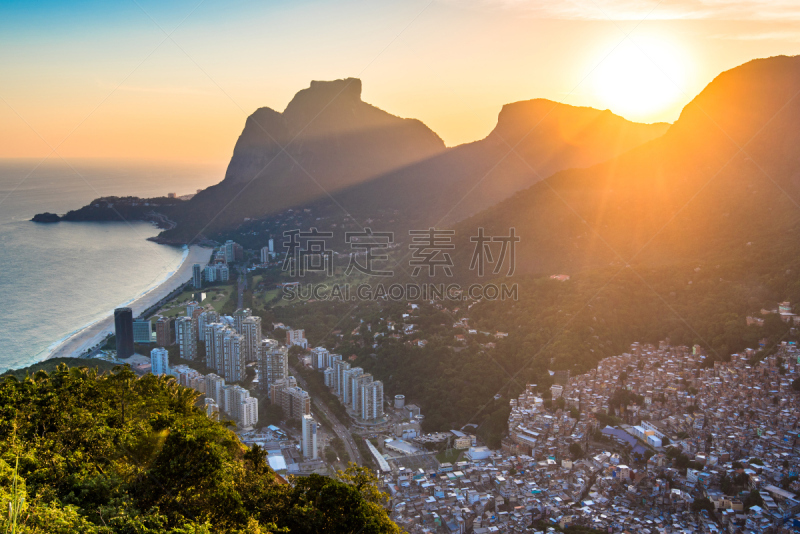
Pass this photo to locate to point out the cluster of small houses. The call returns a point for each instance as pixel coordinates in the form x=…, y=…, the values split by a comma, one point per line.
x=735, y=420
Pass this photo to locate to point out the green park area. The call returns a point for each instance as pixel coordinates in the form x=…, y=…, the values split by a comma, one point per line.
x=219, y=297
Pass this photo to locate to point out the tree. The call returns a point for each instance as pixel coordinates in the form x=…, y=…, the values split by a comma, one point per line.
x=576, y=450
x=702, y=503
x=130, y=454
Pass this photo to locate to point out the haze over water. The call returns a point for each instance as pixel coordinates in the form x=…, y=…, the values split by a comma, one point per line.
x=57, y=278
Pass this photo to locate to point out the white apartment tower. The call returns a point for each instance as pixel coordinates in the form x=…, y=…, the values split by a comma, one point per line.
x=186, y=337
x=309, y=438
x=357, y=391
x=372, y=401
x=251, y=331
x=319, y=358
x=233, y=357
x=339, y=369
x=214, y=385
x=204, y=319
x=159, y=361
x=347, y=387
x=248, y=412
x=215, y=337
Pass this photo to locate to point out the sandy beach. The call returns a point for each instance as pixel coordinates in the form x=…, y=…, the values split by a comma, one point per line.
x=91, y=335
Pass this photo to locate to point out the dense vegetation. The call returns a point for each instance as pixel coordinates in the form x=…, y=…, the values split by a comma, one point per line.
x=555, y=325
x=115, y=453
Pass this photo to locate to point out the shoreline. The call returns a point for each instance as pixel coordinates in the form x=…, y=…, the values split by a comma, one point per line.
x=77, y=343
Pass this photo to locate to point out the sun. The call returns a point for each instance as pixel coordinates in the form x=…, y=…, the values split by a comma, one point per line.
x=640, y=78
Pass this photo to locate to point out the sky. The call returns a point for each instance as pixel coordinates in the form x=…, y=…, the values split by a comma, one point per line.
x=153, y=80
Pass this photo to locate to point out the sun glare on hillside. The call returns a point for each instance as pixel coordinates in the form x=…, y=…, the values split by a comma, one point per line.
x=640, y=77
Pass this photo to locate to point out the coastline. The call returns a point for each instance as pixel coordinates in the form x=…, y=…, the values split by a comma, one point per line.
x=77, y=343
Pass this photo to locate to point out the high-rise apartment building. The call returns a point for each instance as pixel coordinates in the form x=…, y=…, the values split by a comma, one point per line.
x=205, y=318
x=295, y=401
x=329, y=374
x=248, y=412
x=233, y=357
x=234, y=397
x=238, y=318
x=372, y=400
x=357, y=392
x=251, y=332
x=233, y=251
x=186, y=337
x=123, y=331
x=309, y=438
x=164, y=332
x=159, y=361
x=214, y=385
x=277, y=387
x=296, y=338
x=197, y=276
x=191, y=307
x=142, y=331
x=339, y=368
x=214, y=334
x=273, y=363
x=319, y=358
x=347, y=387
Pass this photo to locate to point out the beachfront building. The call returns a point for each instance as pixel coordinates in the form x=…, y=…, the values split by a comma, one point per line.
x=142, y=331
x=159, y=361
x=186, y=337
x=197, y=276
x=123, y=332
x=233, y=251
x=309, y=438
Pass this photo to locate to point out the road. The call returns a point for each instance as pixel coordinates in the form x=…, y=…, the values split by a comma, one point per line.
x=339, y=428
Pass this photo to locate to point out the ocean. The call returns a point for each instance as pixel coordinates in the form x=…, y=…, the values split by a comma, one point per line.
x=57, y=278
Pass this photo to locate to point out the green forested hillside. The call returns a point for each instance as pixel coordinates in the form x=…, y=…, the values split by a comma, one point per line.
x=114, y=453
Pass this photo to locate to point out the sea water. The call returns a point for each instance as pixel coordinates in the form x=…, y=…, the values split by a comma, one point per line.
x=57, y=278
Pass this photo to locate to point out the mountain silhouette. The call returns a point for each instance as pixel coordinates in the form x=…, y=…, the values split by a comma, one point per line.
x=532, y=140
x=722, y=183
x=326, y=139
x=330, y=148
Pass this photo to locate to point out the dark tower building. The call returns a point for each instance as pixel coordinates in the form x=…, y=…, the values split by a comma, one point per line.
x=123, y=329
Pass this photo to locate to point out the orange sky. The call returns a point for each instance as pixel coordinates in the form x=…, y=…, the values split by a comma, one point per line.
x=90, y=80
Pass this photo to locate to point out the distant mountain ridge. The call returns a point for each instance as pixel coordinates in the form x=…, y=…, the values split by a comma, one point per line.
x=532, y=140
x=722, y=182
x=326, y=139
x=330, y=148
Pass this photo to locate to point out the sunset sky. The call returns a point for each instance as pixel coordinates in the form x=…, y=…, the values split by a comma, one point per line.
x=141, y=79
